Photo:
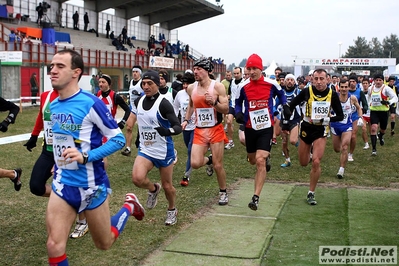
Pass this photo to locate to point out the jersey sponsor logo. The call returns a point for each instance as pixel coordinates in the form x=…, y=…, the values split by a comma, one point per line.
x=258, y=104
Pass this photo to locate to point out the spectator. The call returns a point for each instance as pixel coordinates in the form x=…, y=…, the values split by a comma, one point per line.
x=187, y=49
x=12, y=36
x=107, y=28
x=126, y=82
x=96, y=84
x=138, y=51
x=124, y=35
x=86, y=21
x=112, y=35
x=75, y=18
x=34, y=87
x=40, y=13
x=92, y=83
x=163, y=44
x=157, y=52
x=129, y=42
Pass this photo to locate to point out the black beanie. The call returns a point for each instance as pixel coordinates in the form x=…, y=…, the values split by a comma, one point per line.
x=107, y=78
x=164, y=74
x=152, y=75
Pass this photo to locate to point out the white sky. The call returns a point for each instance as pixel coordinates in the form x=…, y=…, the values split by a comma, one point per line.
x=282, y=29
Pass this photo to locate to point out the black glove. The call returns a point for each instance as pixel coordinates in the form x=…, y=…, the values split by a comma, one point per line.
x=385, y=102
x=364, y=110
x=4, y=126
x=276, y=113
x=240, y=118
x=285, y=125
x=31, y=143
x=10, y=119
x=286, y=111
x=163, y=131
x=122, y=124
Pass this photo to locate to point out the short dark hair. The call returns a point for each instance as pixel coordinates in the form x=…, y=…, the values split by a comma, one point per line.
x=76, y=60
x=343, y=81
x=320, y=70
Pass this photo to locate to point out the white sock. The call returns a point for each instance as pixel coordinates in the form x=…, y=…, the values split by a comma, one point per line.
x=341, y=169
x=311, y=192
x=288, y=159
x=82, y=221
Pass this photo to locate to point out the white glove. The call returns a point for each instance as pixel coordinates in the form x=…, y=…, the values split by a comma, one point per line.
x=325, y=121
x=360, y=122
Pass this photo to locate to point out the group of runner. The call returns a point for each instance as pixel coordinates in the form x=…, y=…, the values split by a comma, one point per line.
x=80, y=131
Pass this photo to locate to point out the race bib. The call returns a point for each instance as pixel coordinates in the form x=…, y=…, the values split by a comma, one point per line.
x=148, y=136
x=205, y=117
x=375, y=100
x=260, y=119
x=320, y=110
x=48, y=132
x=60, y=143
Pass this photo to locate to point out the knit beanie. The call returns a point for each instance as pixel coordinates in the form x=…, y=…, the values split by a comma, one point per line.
x=107, y=78
x=254, y=61
x=164, y=74
x=152, y=75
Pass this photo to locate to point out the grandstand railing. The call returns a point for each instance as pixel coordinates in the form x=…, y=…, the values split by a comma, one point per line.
x=43, y=53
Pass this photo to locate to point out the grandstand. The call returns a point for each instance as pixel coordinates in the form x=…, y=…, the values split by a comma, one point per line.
x=142, y=18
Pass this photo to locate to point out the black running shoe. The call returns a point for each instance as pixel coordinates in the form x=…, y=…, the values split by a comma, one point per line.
x=17, y=180
x=253, y=204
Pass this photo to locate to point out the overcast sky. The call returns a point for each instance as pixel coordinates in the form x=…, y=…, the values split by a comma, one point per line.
x=281, y=29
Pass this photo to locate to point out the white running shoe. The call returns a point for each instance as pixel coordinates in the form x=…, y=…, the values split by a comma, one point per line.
x=152, y=197
x=80, y=230
x=223, y=198
x=171, y=217
x=350, y=158
x=366, y=146
x=175, y=161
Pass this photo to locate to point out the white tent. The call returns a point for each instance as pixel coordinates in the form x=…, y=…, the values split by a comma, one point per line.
x=270, y=69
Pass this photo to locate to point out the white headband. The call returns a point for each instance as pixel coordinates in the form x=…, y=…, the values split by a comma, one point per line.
x=137, y=69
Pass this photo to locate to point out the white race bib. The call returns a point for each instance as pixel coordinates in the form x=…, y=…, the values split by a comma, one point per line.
x=205, y=117
x=48, y=132
x=260, y=119
x=320, y=110
x=60, y=143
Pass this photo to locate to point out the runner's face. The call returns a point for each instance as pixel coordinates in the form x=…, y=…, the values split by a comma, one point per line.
x=352, y=84
x=162, y=82
x=136, y=75
x=365, y=86
x=103, y=84
x=149, y=87
x=200, y=73
x=228, y=76
x=290, y=82
x=343, y=88
x=254, y=72
x=237, y=74
x=61, y=74
x=319, y=80
x=378, y=82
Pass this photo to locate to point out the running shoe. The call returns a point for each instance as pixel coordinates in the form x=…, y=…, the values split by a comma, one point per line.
x=126, y=151
x=175, y=161
x=184, y=181
x=80, y=230
x=138, y=210
x=392, y=132
x=171, y=217
x=209, y=167
x=152, y=197
x=286, y=164
x=223, y=198
x=274, y=141
x=382, y=141
x=268, y=164
x=340, y=174
x=366, y=146
x=17, y=180
x=229, y=146
x=374, y=153
x=253, y=204
x=350, y=157
x=311, y=199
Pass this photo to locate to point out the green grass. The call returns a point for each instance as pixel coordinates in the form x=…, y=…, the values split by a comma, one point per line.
x=22, y=214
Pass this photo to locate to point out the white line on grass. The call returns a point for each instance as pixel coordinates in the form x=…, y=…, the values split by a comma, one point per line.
x=245, y=216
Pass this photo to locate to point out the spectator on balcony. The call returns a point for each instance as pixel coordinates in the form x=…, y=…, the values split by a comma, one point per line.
x=75, y=18
x=129, y=42
x=187, y=49
x=157, y=52
x=112, y=35
x=40, y=13
x=86, y=21
x=107, y=29
x=168, y=52
x=124, y=35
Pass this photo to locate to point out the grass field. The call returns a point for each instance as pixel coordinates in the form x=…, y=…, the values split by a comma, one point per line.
x=22, y=214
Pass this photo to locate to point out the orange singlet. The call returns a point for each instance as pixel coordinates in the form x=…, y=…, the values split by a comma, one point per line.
x=208, y=129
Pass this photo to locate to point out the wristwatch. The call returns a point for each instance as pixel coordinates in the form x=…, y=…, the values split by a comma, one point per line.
x=172, y=130
x=85, y=157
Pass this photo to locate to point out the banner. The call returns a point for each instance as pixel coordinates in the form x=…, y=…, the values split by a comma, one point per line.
x=345, y=62
x=161, y=62
x=11, y=58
